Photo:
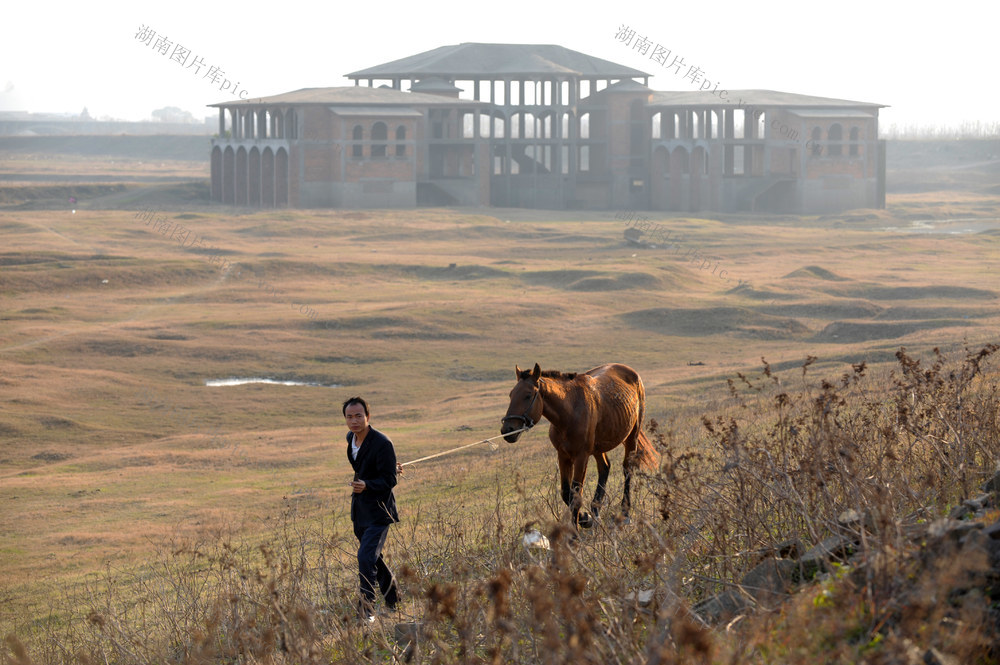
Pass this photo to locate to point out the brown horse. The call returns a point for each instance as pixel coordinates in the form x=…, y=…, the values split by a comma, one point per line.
x=589, y=415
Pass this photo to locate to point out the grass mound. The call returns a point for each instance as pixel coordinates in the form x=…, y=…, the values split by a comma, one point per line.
x=882, y=292
x=815, y=272
x=830, y=311
x=619, y=282
x=714, y=321
x=452, y=272
x=559, y=279
x=903, y=313
x=842, y=332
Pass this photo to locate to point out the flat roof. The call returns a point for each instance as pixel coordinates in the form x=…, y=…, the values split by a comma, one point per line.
x=754, y=98
x=353, y=95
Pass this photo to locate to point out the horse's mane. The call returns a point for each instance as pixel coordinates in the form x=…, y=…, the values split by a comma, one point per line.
x=549, y=374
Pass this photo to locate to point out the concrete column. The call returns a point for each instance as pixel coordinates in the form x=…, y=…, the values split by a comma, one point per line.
x=222, y=122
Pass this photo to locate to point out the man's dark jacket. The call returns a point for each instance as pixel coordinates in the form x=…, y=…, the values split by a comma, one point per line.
x=376, y=465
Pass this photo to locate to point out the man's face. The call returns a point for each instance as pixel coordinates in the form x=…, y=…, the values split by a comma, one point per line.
x=356, y=419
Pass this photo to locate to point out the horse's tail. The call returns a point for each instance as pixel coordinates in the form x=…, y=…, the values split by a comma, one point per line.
x=644, y=455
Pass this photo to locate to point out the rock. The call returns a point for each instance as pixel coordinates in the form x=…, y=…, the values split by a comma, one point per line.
x=535, y=540
x=407, y=635
x=960, y=511
x=721, y=607
x=934, y=657
x=834, y=547
x=952, y=528
x=789, y=549
x=974, y=540
x=993, y=531
x=984, y=500
x=975, y=505
x=913, y=531
x=769, y=581
x=850, y=518
x=641, y=598
x=993, y=484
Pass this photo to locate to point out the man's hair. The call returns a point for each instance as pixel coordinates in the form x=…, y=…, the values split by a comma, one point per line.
x=356, y=400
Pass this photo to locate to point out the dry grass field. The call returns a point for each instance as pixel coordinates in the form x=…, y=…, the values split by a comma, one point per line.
x=113, y=449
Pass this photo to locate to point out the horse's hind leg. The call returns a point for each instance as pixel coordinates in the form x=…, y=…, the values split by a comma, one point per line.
x=627, y=465
x=603, y=469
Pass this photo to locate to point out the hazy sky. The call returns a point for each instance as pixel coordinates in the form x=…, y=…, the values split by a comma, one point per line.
x=932, y=63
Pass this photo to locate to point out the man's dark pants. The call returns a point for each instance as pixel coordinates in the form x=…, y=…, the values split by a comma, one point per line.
x=371, y=566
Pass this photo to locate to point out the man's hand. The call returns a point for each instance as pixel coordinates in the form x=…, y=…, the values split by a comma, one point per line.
x=399, y=469
x=357, y=486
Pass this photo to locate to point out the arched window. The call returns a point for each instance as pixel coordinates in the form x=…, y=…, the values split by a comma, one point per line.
x=836, y=137
x=816, y=148
x=853, y=149
x=400, y=137
x=358, y=150
x=379, y=133
x=680, y=161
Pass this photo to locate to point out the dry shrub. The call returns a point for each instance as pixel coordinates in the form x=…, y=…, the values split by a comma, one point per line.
x=780, y=468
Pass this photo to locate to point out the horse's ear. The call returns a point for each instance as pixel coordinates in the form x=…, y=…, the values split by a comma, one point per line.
x=517, y=372
x=535, y=373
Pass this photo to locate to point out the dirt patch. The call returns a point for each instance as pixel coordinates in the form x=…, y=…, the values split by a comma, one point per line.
x=55, y=422
x=49, y=456
x=118, y=348
x=449, y=272
x=715, y=321
x=472, y=374
x=365, y=323
x=170, y=336
x=9, y=430
x=47, y=197
x=390, y=327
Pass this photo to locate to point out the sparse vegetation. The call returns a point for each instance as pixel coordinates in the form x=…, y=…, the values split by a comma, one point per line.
x=797, y=516
x=866, y=461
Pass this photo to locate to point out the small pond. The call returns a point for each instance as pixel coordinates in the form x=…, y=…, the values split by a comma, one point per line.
x=242, y=381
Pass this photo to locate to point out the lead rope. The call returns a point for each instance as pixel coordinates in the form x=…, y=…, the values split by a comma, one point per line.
x=468, y=445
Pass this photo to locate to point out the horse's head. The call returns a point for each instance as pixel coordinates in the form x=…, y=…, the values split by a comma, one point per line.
x=525, y=404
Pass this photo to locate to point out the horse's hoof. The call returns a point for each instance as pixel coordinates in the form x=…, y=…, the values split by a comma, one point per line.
x=623, y=520
x=586, y=520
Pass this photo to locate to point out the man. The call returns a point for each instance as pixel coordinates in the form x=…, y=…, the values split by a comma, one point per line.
x=373, y=506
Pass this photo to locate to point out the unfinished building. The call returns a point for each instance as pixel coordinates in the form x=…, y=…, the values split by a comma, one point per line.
x=542, y=126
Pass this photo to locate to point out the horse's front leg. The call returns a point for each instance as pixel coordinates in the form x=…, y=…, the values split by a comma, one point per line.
x=580, y=517
x=565, y=473
x=603, y=469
